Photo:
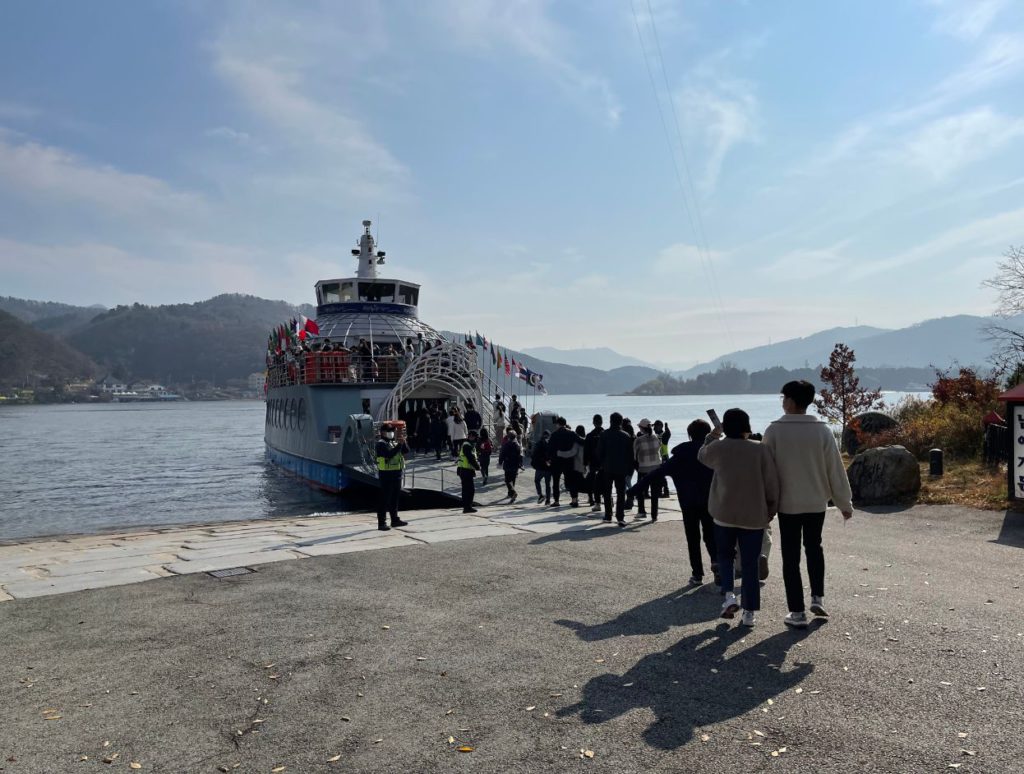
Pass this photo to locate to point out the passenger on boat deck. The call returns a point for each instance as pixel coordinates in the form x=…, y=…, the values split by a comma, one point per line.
x=473, y=419
x=410, y=351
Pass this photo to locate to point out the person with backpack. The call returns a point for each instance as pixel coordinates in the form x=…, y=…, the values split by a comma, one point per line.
x=744, y=498
x=562, y=447
x=510, y=458
x=811, y=472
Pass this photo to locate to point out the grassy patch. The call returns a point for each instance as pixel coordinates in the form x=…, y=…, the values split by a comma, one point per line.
x=970, y=484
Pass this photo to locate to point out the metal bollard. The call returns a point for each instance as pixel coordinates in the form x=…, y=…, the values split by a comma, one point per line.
x=935, y=462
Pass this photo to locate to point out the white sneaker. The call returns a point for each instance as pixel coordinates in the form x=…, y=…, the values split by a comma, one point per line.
x=796, y=620
x=730, y=606
x=748, y=618
x=818, y=607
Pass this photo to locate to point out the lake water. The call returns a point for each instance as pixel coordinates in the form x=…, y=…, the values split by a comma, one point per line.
x=89, y=468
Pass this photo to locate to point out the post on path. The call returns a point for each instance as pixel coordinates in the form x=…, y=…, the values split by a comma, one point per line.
x=1014, y=399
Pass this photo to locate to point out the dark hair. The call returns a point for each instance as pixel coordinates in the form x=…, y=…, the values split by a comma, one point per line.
x=800, y=392
x=581, y=431
x=735, y=422
x=698, y=430
x=560, y=421
x=615, y=419
x=598, y=421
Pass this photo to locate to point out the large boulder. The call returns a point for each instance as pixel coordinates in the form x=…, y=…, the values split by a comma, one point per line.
x=888, y=475
x=869, y=423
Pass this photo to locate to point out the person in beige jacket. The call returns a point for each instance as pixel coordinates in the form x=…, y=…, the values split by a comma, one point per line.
x=811, y=472
x=744, y=498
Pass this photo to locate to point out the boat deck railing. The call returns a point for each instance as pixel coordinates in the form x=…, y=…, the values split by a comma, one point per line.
x=336, y=368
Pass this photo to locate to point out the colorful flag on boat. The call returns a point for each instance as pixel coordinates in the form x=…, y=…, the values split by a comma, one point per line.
x=494, y=359
x=508, y=365
x=499, y=359
x=309, y=326
x=480, y=340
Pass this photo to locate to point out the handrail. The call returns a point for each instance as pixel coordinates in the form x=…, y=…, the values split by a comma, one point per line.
x=335, y=368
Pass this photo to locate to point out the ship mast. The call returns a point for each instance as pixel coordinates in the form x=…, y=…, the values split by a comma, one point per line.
x=369, y=257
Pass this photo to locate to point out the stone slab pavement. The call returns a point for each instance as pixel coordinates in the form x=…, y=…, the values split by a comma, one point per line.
x=56, y=566
x=573, y=651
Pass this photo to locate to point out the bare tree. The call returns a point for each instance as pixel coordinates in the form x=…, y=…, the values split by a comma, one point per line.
x=1008, y=282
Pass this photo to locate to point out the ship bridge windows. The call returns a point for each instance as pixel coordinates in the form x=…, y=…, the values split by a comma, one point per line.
x=408, y=294
x=383, y=292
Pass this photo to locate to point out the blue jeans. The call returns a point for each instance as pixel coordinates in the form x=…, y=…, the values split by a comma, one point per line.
x=540, y=474
x=749, y=542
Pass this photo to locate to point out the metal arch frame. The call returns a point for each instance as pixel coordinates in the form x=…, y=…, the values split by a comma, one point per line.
x=450, y=366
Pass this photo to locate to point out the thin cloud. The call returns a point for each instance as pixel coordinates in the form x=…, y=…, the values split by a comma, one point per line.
x=47, y=171
x=525, y=28
x=966, y=19
x=944, y=146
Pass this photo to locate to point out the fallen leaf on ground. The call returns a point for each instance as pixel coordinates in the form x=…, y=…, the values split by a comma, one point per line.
x=598, y=660
x=799, y=690
x=334, y=758
x=134, y=765
x=268, y=666
x=111, y=758
x=421, y=658
x=451, y=740
x=589, y=753
x=223, y=768
x=258, y=721
x=626, y=685
x=86, y=757
x=385, y=627
x=378, y=741
x=704, y=737
x=531, y=708
x=348, y=658
x=962, y=735
x=465, y=748
x=555, y=695
x=346, y=718
x=450, y=712
x=969, y=752
x=277, y=769
x=771, y=702
x=759, y=733
x=954, y=766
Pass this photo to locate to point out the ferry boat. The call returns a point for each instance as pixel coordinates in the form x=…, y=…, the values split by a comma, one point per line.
x=324, y=407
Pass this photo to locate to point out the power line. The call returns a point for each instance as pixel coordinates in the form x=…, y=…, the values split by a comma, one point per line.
x=686, y=189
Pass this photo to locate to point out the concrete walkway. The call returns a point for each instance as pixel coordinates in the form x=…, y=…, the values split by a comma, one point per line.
x=44, y=567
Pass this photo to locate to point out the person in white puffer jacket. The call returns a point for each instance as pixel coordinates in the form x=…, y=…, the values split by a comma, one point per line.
x=811, y=472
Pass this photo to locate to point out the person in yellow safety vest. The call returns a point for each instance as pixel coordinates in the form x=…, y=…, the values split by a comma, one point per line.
x=468, y=466
x=665, y=435
x=390, y=463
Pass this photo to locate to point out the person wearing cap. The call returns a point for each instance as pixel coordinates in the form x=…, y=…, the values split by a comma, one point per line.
x=647, y=451
x=468, y=466
x=390, y=463
x=510, y=457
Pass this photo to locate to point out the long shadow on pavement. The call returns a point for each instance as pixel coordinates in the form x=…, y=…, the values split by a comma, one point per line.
x=597, y=529
x=1012, y=531
x=683, y=693
x=677, y=608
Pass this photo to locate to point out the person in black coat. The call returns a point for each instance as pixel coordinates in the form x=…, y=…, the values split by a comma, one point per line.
x=594, y=484
x=693, y=487
x=540, y=458
x=438, y=432
x=563, y=445
x=510, y=457
x=615, y=458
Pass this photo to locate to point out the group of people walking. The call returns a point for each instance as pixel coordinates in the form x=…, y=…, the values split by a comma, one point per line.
x=731, y=485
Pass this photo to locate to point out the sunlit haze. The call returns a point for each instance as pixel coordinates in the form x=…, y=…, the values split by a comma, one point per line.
x=672, y=180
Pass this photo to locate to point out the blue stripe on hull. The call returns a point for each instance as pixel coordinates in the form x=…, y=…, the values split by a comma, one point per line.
x=327, y=477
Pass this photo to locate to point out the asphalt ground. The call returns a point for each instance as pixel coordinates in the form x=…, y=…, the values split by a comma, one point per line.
x=536, y=652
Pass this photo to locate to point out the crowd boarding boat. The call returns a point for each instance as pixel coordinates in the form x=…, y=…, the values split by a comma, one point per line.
x=324, y=408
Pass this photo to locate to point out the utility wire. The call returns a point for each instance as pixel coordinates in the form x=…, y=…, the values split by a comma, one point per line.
x=689, y=209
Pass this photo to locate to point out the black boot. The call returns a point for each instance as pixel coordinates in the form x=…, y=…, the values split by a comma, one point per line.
x=382, y=525
x=397, y=522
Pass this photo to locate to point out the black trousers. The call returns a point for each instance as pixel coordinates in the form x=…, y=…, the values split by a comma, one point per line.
x=468, y=487
x=595, y=485
x=651, y=487
x=542, y=474
x=387, y=498
x=619, y=482
x=510, y=481
x=697, y=520
x=560, y=468
x=794, y=528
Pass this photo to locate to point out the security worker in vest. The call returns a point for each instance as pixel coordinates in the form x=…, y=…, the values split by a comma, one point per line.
x=468, y=466
x=390, y=462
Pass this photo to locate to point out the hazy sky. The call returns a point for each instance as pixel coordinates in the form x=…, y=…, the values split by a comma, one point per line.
x=793, y=166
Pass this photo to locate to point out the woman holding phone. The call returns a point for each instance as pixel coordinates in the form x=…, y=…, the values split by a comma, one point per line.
x=744, y=499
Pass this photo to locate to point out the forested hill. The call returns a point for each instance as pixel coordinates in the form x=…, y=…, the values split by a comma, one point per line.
x=216, y=340
x=729, y=380
x=28, y=355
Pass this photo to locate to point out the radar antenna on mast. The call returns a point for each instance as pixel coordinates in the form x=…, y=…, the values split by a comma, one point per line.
x=369, y=257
